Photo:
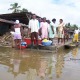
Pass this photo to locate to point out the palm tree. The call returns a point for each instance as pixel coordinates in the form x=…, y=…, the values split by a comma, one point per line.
x=15, y=7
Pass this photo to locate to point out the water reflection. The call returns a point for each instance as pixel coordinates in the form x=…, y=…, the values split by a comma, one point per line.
x=32, y=65
x=60, y=63
x=51, y=66
x=31, y=74
x=14, y=62
x=24, y=62
x=42, y=68
x=75, y=52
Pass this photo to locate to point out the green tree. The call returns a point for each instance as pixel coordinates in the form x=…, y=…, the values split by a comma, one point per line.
x=15, y=7
x=68, y=25
x=24, y=10
x=75, y=26
x=71, y=27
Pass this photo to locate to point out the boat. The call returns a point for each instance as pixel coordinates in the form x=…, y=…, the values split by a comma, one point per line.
x=72, y=45
x=40, y=45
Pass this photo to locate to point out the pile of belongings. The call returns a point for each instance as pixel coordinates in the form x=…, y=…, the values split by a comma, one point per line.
x=46, y=42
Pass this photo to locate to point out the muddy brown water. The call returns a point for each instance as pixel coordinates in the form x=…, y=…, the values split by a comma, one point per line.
x=36, y=65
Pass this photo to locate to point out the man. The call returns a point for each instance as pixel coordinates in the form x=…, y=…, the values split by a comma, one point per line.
x=33, y=29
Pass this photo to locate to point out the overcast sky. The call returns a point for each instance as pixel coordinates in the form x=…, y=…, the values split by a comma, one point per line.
x=68, y=10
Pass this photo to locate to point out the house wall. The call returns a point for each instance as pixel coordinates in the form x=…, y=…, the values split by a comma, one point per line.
x=4, y=27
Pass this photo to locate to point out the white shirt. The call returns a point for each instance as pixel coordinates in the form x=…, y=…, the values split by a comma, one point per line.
x=34, y=25
x=17, y=31
x=77, y=31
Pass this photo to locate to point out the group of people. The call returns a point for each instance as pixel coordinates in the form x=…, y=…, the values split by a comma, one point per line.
x=46, y=29
x=41, y=28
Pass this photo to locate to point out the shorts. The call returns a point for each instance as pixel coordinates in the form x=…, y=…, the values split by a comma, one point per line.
x=17, y=36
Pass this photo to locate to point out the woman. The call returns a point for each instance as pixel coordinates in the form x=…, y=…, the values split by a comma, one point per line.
x=61, y=31
x=17, y=33
x=44, y=29
x=52, y=30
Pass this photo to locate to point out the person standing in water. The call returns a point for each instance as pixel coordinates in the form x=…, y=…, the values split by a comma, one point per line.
x=52, y=30
x=33, y=29
x=60, y=31
x=44, y=29
x=17, y=33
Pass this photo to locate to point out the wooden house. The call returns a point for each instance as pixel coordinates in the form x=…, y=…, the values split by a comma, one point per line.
x=7, y=20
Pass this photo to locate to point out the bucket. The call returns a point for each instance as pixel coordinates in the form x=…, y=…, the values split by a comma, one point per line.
x=23, y=45
x=28, y=41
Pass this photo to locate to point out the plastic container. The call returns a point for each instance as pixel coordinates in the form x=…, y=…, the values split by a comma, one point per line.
x=23, y=45
x=39, y=41
x=28, y=41
x=47, y=43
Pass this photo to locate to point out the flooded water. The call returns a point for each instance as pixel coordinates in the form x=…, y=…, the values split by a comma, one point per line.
x=36, y=65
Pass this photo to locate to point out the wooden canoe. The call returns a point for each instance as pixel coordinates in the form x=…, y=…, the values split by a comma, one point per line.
x=68, y=46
